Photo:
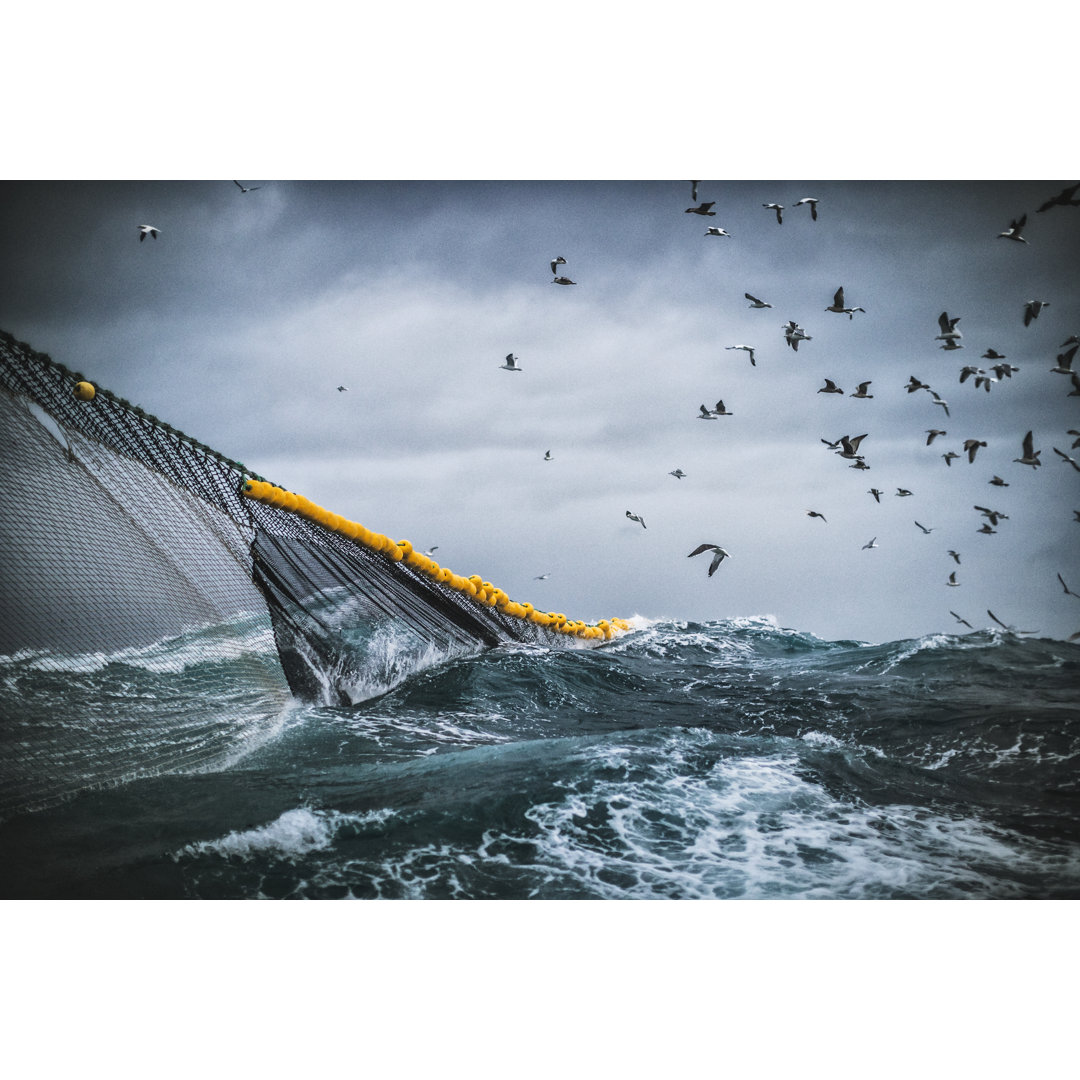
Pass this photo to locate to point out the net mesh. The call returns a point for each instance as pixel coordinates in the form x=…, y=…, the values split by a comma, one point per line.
x=156, y=616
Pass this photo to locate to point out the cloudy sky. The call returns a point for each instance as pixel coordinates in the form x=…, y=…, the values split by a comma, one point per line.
x=239, y=321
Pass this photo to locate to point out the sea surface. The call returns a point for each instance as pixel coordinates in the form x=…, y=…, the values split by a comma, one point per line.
x=726, y=760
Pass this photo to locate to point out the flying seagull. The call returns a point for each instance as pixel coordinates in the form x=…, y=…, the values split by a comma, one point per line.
x=952, y=579
x=933, y=433
x=850, y=446
x=812, y=203
x=793, y=334
x=873, y=544
x=556, y=263
x=720, y=410
x=342, y=389
x=755, y=302
x=915, y=384
x=939, y=400
x=705, y=209
x=950, y=345
x=1004, y=371
x=903, y=492
x=719, y=555
x=715, y=230
x=244, y=190
x=1065, y=457
x=779, y=211
x=955, y=556
x=986, y=528
x=1013, y=231
x=1068, y=591
x=1065, y=197
x=693, y=189
x=837, y=305
x=634, y=517
x=1009, y=628
x=814, y=513
x=1064, y=362
x=542, y=577
x=949, y=457
x=998, y=482
x=563, y=281
x=948, y=328
x=511, y=363
x=1076, y=444
x=747, y=349
x=971, y=448
x=547, y=455
x=993, y=515
x=706, y=413
x=925, y=529
x=959, y=620
x=860, y=392
x=677, y=473
x=1031, y=455
x=968, y=370
x=877, y=493
x=1032, y=309
x=830, y=388
x=148, y=230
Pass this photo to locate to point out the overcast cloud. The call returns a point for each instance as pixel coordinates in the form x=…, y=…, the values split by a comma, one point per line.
x=239, y=321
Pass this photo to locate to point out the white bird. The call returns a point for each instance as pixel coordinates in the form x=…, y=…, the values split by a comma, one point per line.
x=677, y=473
x=542, y=577
x=557, y=262
x=1064, y=362
x=705, y=209
x=1013, y=231
x=745, y=348
x=244, y=190
x=876, y=492
x=1065, y=457
x=511, y=363
x=547, y=455
x=148, y=230
x=959, y=620
x=850, y=446
x=706, y=414
x=830, y=388
x=902, y=492
x=939, y=400
x=719, y=555
x=755, y=302
x=925, y=529
x=838, y=305
x=342, y=389
x=949, y=346
x=431, y=550
x=952, y=579
x=993, y=515
x=779, y=211
x=1032, y=309
x=634, y=517
x=715, y=230
x=948, y=328
x=793, y=334
x=873, y=544
x=933, y=433
x=916, y=384
x=563, y=281
x=861, y=391
x=971, y=448
x=969, y=370
x=812, y=203
x=1030, y=455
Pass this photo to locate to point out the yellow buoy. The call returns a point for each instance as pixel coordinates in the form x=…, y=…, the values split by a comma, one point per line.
x=85, y=391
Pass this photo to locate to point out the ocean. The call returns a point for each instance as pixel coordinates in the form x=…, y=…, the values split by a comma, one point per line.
x=735, y=759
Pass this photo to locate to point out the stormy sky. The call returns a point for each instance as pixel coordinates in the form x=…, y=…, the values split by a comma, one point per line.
x=237, y=323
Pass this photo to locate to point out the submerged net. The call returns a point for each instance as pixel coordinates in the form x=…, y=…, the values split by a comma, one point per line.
x=163, y=605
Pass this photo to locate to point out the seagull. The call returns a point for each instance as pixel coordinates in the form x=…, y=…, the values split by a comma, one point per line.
x=1065, y=457
x=148, y=230
x=873, y=544
x=837, y=305
x=706, y=414
x=877, y=493
x=705, y=209
x=1064, y=362
x=986, y=529
x=1032, y=309
x=959, y=620
x=925, y=529
x=1077, y=434
x=955, y=555
x=902, y=492
x=719, y=555
x=993, y=515
x=992, y=354
x=948, y=328
x=832, y=445
x=952, y=579
x=511, y=363
x=342, y=389
x=563, y=281
x=1075, y=391
x=850, y=446
x=745, y=348
x=950, y=345
x=971, y=447
x=969, y=370
x=858, y=463
x=1013, y=231
x=812, y=203
x=557, y=262
x=755, y=302
x=1004, y=371
x=914, y=384
x=693, y=189
x=984, y=381
x=814, y=513
x=949, y=457
x=861, y=391
x=244, y=190
x=1068, y=591
x=998, y=482
x=1065, y=197
x=939, y=400
x=830, y=388
x=431, y=550
x=542, y=577
x=933, y=433
x=677, y=473
x=634, y=517
x=720, y=410
x=715, y=230
x=794, y=333
x=1009, y=628
x=1031, y=456
x=1071, y=340
x=547, y=455
x=779, y=211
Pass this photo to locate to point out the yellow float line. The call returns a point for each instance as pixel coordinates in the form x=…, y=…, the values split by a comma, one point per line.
x=483, y=592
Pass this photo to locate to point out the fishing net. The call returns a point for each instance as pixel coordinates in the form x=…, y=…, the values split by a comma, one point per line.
x=163, y=605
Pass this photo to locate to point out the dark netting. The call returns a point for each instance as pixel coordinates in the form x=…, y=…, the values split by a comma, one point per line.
x=156, y=618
